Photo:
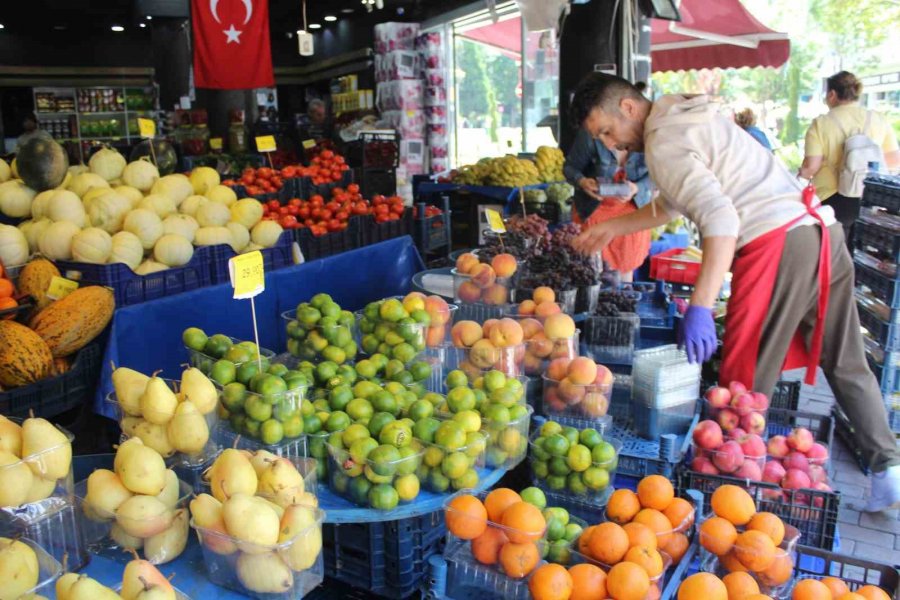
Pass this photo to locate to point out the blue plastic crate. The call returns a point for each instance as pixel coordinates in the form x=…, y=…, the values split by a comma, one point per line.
x=651, y=423
x=883, y=286
x=278, y=256
x=431, y=233
x=320, y=246
x=882, y=191
x=869, y=236
x=887, y=334
x=640, y=457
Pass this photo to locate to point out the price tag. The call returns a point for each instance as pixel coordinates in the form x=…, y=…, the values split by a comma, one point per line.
x=265, y=143
x=60, y=287
x=247, y=277
x=495, y=221
x=215, y=143
x=307, y=144
x=147, y=127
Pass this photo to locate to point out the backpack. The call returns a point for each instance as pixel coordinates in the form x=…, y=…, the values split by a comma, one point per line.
x=859, y=151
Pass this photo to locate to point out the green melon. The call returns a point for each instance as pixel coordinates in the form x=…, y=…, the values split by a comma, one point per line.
x=42, y=163
x=166, y=159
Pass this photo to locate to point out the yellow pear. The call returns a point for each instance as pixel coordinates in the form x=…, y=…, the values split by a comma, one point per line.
x=158, y=402
x=188, y=431
x=124, y=450
x=281, y=474
x=15, y=479
x=85, y=588
x=64, y=584
x=286, y=498
x=105, y=493
x=10, y=436
x=264, y=573
x=140, y=468
x=18, y=568
x=46, y=449
x=128, y=425
x=169, y=544
x=130, y=385
x=139, y=575
x=123, y=540
x=143, y=516
x=172, y=492
x=156, y=437
x=232, y=473
x=40, y=489
x=206, y=513
x=252, y=520
x=196, y=387
x=261, y=459
x=299, y=526
x=278, y=509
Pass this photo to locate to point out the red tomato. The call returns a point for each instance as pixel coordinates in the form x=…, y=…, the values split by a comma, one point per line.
x=303, y=213
x=334, y=225
x=342, y=215
x=288, y=222
x=326, y=214
x=273, y=204
x=317, y=199
x=327, y=154
x=295, y=202
x=397, y=209
x=382, y=209
x=381, y=218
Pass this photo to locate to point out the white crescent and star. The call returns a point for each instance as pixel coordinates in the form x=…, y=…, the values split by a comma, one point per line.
x=231, y=34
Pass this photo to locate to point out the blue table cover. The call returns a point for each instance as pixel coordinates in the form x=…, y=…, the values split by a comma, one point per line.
x=147, y=337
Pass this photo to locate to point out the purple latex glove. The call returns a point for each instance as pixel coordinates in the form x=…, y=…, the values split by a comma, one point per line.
x=697, y=334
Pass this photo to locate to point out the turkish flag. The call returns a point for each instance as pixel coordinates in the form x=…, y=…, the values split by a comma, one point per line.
x=231, y=44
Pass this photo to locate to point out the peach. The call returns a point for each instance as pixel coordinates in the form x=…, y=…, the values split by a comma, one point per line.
x=532, y=364
x=728, y=419
x=564, y=348
x=552, y=400
x=752, y=445
x=471, y=371
x=754, y=422
x=796, y=460
x=749, y=470
x=817, y=474
x=742, y=403
x=736, y=387
x=466, y=263
x=483, y=276
x=773, y=472
x=519, y=352
x=795, y=479
x=540, y=346
x=760, y=401
x=708, y=435
x=531, y=327
x=438, y=309
x=487, y=326
x=571, y=392
x=817, y=454
x=701, y=464
x=506, y=333
x=545, y=309
x=777, y=446
x=414, y=301
x=800, y=439
x=582, y=371
x=468, y=292
x=526, y=307
x=483, y=354
x=435, y=335
x=559, y=326
x=736, y=434
x=594, y=404
x=543, y=294
x=604, y=376
x=557, y=368
x=465, y=333
x=729, y=457
x=504, y=265
x=495, y=295
x=718, y=397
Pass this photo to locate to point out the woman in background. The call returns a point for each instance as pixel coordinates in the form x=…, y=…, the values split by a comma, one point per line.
x=746, y=119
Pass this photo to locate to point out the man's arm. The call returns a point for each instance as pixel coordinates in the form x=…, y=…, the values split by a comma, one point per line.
x=597, y=237
x=718, y=254
x=578, y=158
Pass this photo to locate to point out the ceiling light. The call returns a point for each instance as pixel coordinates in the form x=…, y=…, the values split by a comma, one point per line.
x=347, y=11
x=117, y=28
x=59, y=27
x=149, y=17
x=1, y=26
x=331, y=18
x=142, y=25
x=315, y=26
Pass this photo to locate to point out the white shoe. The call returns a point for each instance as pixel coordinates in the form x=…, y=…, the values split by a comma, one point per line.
x=885, y=491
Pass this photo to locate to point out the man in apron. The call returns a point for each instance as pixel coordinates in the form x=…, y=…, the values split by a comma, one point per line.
x=791, y=299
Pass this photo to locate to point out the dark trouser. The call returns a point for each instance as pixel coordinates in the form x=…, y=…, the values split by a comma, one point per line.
x=584, y=205
x=793, y=306
x=846, y=210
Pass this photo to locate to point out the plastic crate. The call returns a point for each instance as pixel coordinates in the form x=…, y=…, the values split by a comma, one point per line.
x=640, y=457
x=665, y=267
x=325, y=189
x=130, y=288
x=431, y=233
x=856, y=572
x=782, y=421
x=549, y=211
x=786, y=395
x=652, y=422
x=883, y=286
x=882, y=191
x=284, y=194
x=372, y=232
x=610, y=339
x=278, y=256
x=871, y=238
x=886, y=334
x=320, y=246
x=376, y=181
x=55, y=395
x=387, y=558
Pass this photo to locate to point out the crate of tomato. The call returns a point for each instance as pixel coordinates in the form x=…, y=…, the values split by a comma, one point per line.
x=327, y=170
x=388, y=218
x=264, y=184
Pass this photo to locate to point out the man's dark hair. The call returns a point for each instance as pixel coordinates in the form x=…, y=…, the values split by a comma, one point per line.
x=599, y=89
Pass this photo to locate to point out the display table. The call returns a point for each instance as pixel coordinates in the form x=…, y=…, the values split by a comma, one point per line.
x=147, y=337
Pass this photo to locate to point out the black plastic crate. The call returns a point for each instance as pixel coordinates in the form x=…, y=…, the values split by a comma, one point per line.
x=782, y=421
x=869, y=237
x=886, y=334
x=886, y=370
x=55, y=395
x=372, y=232
x=387, y=558
x=431, y=233
x=376, y=181
x=856, y=572
x=325, y=189
x=786, y=395
x=883, y=286
x=549, y=211
x=882, y=191
x=374, y=149
x=314, y=247
x=283, y=195
x=278, y=256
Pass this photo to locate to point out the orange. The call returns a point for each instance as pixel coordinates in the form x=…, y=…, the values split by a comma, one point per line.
x=486, y=547
x=731, y=563
x=733, y=503
x=811, y=589
x=676, y=547
x=740, y=585
x=680, y=513
x=755, y=550
x=717, y=535
x=498, y=501
x=779, y=572
x=655, y=491
x=518, y=560
x=837, y=586
x=584, y=540
x=627, y=581
x=640, y=535
x=6, y=288
x=608, y=543
x=653, y=593
x=525, y=522
x=588, y=582
x=656, y=521
x=646, y=558
x=550, y=582
x=850, y=596
x=872, y=592
x=702, y=586
x=622, y=506
x=769, y=524
x=466, y=517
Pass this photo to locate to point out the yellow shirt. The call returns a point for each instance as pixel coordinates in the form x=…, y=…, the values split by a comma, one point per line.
x=826, y=138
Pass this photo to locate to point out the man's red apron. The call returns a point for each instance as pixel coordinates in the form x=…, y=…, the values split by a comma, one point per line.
x=754, y=272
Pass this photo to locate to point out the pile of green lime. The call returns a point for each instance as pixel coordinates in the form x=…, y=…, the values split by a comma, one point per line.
x=562, y=528
x=454, y=449
x=220, y=358
x=566, y=459
x=379, y=367
x=321, y=330
x=387, y=328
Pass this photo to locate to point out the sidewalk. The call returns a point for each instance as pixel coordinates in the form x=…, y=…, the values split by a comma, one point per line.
x=874, y=536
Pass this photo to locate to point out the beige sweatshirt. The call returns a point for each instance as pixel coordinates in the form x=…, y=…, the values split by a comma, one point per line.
x=713, y=172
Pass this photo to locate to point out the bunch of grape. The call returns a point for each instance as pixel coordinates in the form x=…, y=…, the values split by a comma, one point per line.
x=514, y=243
x=612, y=332
x=532, y=227
x=611, y=304
x=564, y=235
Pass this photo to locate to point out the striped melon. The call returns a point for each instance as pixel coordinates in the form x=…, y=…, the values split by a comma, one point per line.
x=34, y=279
x=24, y=356
x=68, y=325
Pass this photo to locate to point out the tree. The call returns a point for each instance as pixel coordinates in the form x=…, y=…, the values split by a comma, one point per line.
x=473, y=78
x=504, y=76
x=855, y=28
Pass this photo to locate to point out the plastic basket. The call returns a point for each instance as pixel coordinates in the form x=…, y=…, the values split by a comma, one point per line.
x=278, y=256
x=320, y=246
x=566, y=299
x=886, y=334
x=871, y=238
x=856, y=572
x=433, y=232
x=372, y=232
x=786, y=395
x=882, y=191
x=666, y=267
x=49, y=570
x=882, y=286
x=563, y=486
x=652, y=422
x=55, y=395
x=610, y=339
x=640, y=457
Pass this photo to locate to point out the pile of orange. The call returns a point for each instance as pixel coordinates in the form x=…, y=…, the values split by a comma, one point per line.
x=752, y=549
x=503, y=530
x=740, y=585
x=7, y=293
x=584, y=581
x=656, y=508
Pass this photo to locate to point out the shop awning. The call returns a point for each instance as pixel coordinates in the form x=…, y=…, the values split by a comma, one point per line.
x=721, y=34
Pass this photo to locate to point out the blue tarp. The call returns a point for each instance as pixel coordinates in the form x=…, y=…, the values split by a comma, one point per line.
x=147, y=337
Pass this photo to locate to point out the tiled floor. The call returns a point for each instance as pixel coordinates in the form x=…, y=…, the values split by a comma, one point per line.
x=874, y=536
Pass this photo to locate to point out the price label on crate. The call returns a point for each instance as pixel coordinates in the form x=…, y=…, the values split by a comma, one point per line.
x=495, y=221
x=265, y=143
x=307, y=144
x=247, y=276
x=147, y=127
x=215, y=143
x=60, y=287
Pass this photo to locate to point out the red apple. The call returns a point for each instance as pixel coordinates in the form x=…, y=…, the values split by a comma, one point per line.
x=752, y=445
x=795, y=479
x=796, y=460
x=729, y=457
x=754, y=422
x=760, y=401
x=708, y=435
x=801, y=439
x=736, y=387
x=817, y=454
x=701, y=464
x=718, y=397
x=743, y=404
x=817, y=474
x=778, y=447
x=728, y=419
x=749, y=470
x=773, y=472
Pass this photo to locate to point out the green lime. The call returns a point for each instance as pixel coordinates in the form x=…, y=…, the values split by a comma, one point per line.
x=578, y=458
x=437, y=481
x=558, y=466
x=222, y=372
x=450, y=435
x=340, y=482
x=595, y=478
x=460, y=398
x=573, y=531
x=556, y=482
x=271, y=432
x=559, y=552
x=469, y=420
x=504, y=397
x=604, y=454
x=369, y=344
x=335, y=354
x=534, y=496
x=359, y=490
x=556, y=445
x=396, y=434
x=407, y=487
x=494, y=380
x=476, y=443
x=420, y=409
x=361, y=449
x=425, y=428
x=312, y=424
x=576, y=484
x=556, y=529
x=366, y=369
x=558, y=513
x=325, y=371
x=434, y=398
x=468, y=480
x=517, y=412
x=590, y=437
x=571, y=434
x=365, y=389
x=352, y=433
x=320, y=300
x=455, y=465
x=293, y=426
x=384, y=401
x=339, y=397
x=251, y=428
x=433, y=456
x=233, y=395
x=497, y=414
x=383, y=459
x=409, y=460
x=194, y=338
x=420, y=370
x=360, y=409
x=246, y=372
x=238, y=354
x=496, y=457
x=539, y=468
x=257, y=408
x=515, y=387
x=456, y=379
x=337, y=421
x=537, y=450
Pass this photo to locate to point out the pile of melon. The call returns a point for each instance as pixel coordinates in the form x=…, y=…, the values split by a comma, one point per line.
x=112, y=211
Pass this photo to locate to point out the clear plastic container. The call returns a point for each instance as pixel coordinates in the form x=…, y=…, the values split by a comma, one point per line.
x=445, y=470
x=663, y=368
x=507, y=441
x=483, y=356
x=610, y=339
x=49, y=570
x=337, y=343
x=685, y=527
x=307, y=467
x=52, y=468
x=205, y=362
x=564, y=298
x=179, y=595
x=657, y=584
x=273, y=419
x=434, y=334
x=589, y=481
x=650, y=422
x=297, y=447
x=58, y=532
x=285, y=571
x=585, y=402
x=375, y=483
x=559, y=550
x=667, y=397
x=403, y=341
x=489, y=290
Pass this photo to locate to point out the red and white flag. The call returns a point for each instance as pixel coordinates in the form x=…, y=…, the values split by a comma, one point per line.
x=231, y=44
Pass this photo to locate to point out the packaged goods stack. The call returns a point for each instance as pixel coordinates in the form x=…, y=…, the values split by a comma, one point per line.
x=432, y=51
